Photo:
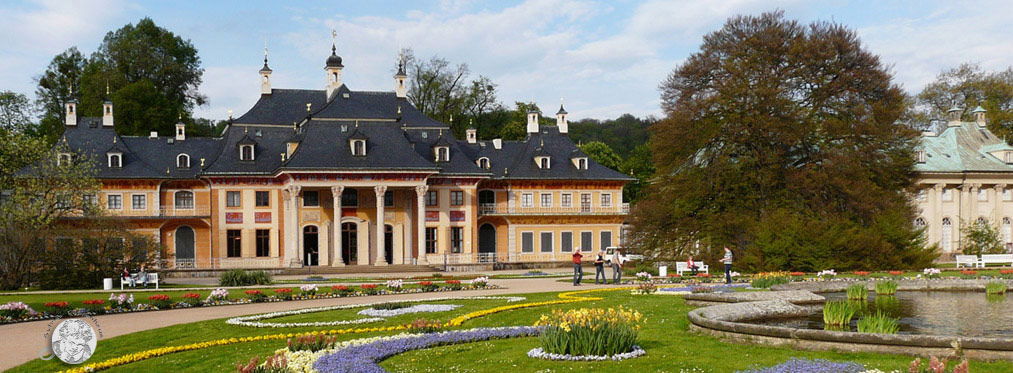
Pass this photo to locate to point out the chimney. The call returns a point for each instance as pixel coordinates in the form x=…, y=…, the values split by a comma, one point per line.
x=497, y=143
x=532, y=119
x=107, y=114
x=71, y=109
x=180, y=129
x=979, y=115
x=472, y=135
x=953, y=116
x=399, y=79
x=561, y=118
x=265, y=75
x=153, y=135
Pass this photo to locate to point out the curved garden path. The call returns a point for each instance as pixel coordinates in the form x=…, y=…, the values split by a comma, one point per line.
x=25, y=340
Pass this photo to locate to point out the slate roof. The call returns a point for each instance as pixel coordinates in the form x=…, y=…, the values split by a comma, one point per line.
x=283, y=106
x=326, y=146
x=964, y=148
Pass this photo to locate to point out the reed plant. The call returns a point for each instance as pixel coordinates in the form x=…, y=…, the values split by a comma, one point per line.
x=995, y=287
x=858, y=292
x=886, y=288
x=879, y=322
x=590, y=332
x=838, y=314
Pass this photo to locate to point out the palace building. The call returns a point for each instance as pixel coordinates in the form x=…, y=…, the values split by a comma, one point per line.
x=965, y=176
x=337, y=177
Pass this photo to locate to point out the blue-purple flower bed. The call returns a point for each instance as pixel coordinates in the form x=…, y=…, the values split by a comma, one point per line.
x=716, y=289
x=810, y=366
x=365, y=358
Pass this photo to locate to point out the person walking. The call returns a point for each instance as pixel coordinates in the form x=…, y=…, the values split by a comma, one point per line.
x=578, y=269
x=617, y=267
x=599, y=268
x=727, y=260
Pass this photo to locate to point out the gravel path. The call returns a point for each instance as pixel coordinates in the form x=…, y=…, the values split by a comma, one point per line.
x=26, y=340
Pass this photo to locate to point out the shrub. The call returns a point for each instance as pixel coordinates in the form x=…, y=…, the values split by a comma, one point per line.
x=311, y=342
x=424, y=326
x=95, y=306
x=274, y=364
x=192, y=299
x=858, y=292
x=427, y=286
x=886, y=288
x=453, y=284
x=391, y=305
x=838, y=314
x=878, y=323
x=256, y=295
x=589, y=332
x=995, y=287
x=369, y=289
x=161, y=301
x=341, y=290
x=57, y=308
x=242, y=277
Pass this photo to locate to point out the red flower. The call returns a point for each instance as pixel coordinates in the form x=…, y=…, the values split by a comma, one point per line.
x=191, y=295
x=453, y=281
x=369, y=286
x=968, y=272
x=796, y=274
x=339, y=287
x=703, y=275
x=282, y=290
x=94, y=301
x=861, y=273
x=896, y=273
x=1006, y=271
x=159, y=297
x=254, y=292
x=57, y=304
x=674, y=275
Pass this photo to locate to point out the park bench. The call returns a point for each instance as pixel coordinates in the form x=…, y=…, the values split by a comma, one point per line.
x=967, y=261
x=152, y=279
x=1004, y=259
x=681, y=267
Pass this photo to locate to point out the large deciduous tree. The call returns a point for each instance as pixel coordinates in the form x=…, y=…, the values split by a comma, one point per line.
x=16, y=112
x=443, y=92
x=968, y=86
x=780, y=140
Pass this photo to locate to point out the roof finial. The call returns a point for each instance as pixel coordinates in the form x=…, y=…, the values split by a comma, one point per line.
x=541, y=142
x=107, y=88
x=114, y=139
x=180, y=117
x=308, y=106
x=230, y=114
x=334, y=37
x=246, y=129
x=451, y=119
x=441, y=132
x=399, y=110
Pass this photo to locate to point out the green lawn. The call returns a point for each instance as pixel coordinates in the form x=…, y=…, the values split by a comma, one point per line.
x=669, y=344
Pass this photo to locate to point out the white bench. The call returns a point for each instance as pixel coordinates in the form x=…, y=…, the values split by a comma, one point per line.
x=152, y=279
x=681, y=267
x=1005, y=259
x=968, y=260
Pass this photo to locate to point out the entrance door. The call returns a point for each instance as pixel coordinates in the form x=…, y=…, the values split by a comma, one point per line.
x=486, y=243
x=349, y=243
x=310, y=245
x=184, y=247
x=388, y=243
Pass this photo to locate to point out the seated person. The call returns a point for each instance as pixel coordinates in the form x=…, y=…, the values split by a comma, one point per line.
x=692, y=265
x=128, y=277
x=143, y=275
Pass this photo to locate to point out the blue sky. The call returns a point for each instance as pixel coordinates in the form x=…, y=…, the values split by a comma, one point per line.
x=604, y=58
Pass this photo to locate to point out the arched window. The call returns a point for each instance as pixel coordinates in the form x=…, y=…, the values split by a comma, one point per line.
x=246, y=153
x=981, y=221
x=442, y=154
x=920, y=223
x=947, y=235
x=483, y=163
x=115, y=160
x=183, y=161
x=184, y=199
x=544, y=163
x=359, y=148
x=582, y=164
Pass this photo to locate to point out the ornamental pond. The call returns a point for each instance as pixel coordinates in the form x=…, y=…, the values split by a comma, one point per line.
x=957, y=313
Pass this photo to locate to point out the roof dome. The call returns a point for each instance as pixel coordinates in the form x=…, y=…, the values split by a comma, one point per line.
x=334, y=60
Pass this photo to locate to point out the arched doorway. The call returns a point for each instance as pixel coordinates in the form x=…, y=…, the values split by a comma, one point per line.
x=184, y=247
x=487, y=242
x=310, y=245
x=388, y=243
x=349, y=243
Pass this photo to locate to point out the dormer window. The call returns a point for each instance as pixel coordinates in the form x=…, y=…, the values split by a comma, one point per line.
x=359, y=148
x=483, y=163
x=115, y=160
x=1008, y=157
x=543, y=162
x=921, y=156
x=183, y=161
x=246, y=152
x=580, y=163
x=63, y=159
x=442, y=154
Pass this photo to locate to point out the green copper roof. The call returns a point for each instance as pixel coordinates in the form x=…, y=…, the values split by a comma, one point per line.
x=964, y=148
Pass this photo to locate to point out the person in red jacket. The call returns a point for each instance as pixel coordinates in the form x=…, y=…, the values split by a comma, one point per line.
x=578, y=270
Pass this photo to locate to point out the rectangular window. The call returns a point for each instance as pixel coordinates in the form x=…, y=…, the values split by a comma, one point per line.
x=606, y=200
x=566, y=241
x=234, y=243
x=546, y=199
x=263, y=198
x=232, y=199
x=263, y=242
x=432, y=198
x=1007, y=195
x=947, y=195
x=527, y=200
x=350, y=198
x=528, y=242
x=982, y=195
x=430, y=240
x=87, y=199
x=586, y=239
x=456, y=239
x=585, y=202
x=606, y=239
x=310, y=198
x=388, y=198
x=566, y=200
x=456, y=198
x=114, y=201
x=546, y=242
x=139, y=201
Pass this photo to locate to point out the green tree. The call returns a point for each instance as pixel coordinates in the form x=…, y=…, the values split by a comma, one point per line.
x=640, y=164
x=16, y=112
x=780, y=141
x=602, y=154
x=968, y=86
x=62, y=76
x=622, y=134
x=979, y=238
x=443, y=92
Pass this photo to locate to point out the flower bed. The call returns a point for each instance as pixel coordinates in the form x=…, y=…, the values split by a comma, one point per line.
x=539, y=353
x=413, y=309
x=364, y=357
x=814, y=366
x=589, y=332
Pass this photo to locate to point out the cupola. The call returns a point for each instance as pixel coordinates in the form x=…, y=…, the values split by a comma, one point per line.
x=71, y=110
x=107, y=110
x=471, y=133
x=532, y=119
x=333, y=68
x=953, y=116
x=979, y=115
x=561, y=118
x=265, y=75
x=400, y=89
x=180, y=129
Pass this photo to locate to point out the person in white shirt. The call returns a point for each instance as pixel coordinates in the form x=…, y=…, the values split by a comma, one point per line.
x=617, y=267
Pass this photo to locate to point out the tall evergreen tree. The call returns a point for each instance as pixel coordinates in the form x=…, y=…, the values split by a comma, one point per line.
x=780, y=141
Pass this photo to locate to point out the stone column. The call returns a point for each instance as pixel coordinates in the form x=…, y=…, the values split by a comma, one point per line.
x=339, y=257
x=420, y=222
x=381, y=228
x=997, y=204
x=936, y=219
x=291, y=194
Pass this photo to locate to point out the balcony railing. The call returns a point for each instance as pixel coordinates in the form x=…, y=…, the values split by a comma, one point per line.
x=494, y=209
x=222, y=263
x=513, y=257
x=180, y=211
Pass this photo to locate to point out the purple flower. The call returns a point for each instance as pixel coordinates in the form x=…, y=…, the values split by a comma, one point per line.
x=810, y=366
x=364, y=358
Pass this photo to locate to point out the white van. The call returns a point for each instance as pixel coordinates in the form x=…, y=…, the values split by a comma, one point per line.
x=626, y=257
